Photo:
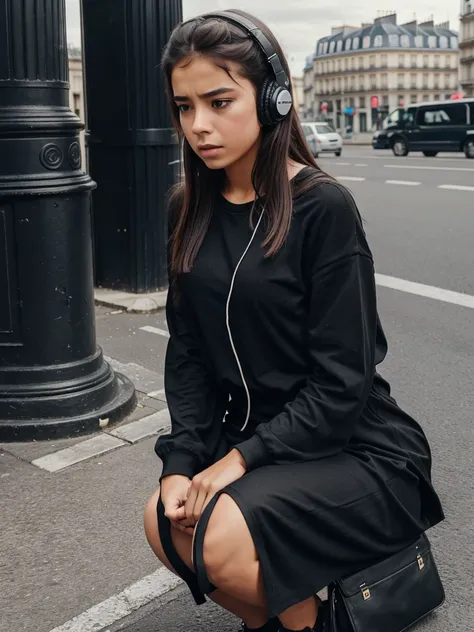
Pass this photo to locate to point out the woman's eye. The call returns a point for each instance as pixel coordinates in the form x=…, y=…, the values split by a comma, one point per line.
x=183, y=108
x=220, y=104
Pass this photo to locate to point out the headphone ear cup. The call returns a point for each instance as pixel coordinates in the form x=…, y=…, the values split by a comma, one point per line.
x=265, y=113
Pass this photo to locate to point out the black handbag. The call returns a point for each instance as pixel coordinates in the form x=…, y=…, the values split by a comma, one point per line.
x=390, y=596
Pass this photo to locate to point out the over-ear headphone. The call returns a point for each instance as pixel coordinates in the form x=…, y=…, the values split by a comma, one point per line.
x=274, y=98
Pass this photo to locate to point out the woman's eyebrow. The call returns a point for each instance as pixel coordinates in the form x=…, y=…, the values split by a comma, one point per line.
x=207, y=95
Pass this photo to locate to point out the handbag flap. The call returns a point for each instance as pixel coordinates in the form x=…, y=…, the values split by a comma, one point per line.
x=351, y=585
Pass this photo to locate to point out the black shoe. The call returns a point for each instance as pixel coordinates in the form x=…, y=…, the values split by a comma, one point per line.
x=272, y=625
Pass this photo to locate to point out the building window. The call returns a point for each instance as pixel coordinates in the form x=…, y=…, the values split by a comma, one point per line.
x=426, y=97
x=405, y=39
x=373, y=81
x=426, y=61
x=77, y=104
x=348, y=44
x=332, y=66
x=432, y=41
x=362, y=102
x=394, y=41
x=413, y=79
x=352, y=63
x=443, y=41
x=361, y=63
x=401, y=61
x=361, y=83
x=372, y=61
x=346, y=64
x=385, y=80
x=413, y=98
x=425, y=81
x=419, y=41
x=436, y=61
x=366, y=42
x=401, y=80
x=384, y=62
x=414, y=61
x=378, y=41
x=385, y=99
x=355, y=43
x=339, y=46
x=332, y=46
x=454, y=42
x=437, y=97
x=338, y=65
x=447, y=61
x=436, y=80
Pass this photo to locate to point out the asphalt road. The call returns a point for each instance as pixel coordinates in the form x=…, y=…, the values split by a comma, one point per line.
x=73, y=539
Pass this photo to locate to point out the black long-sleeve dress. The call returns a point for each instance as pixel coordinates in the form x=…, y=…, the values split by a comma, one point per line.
x=338, y=476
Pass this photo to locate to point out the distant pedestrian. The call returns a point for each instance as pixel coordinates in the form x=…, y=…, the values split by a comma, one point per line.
x=289, y=464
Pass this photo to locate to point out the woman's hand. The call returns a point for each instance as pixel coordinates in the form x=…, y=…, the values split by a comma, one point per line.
x=174, y=490
x=207, y=483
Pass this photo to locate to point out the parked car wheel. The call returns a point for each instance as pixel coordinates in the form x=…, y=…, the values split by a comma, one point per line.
x=399, y=147
x=430, y=154
x=338, y=153
x=469, y=148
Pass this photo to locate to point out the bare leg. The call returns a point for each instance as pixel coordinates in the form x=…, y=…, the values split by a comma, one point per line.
x=254, y=616
x=232, y=564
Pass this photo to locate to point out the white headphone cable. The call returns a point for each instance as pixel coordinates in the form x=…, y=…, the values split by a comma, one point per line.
x=228, y=321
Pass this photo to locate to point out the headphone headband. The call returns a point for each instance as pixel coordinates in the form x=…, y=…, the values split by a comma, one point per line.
x=260, y=38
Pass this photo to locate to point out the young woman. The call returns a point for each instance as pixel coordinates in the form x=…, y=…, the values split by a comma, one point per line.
x=289, y=464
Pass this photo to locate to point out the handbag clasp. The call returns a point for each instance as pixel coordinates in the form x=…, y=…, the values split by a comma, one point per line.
x=365, y=592
x=421, y=563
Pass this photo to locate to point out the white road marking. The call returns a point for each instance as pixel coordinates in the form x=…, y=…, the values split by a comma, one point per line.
x=455, y=187
x=361, y=164
x=124, y=604
x=79, y=452
x=350, y=178
x=144, y=427
x=144, y=379
x=429, y=291
x=406, y=183
x=426, y=168
x=342, y=164
x=155, y=330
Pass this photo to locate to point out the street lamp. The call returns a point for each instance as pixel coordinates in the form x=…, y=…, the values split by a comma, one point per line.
x=53, y=378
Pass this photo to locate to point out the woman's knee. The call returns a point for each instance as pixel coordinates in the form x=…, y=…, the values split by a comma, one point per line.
x=182, y=542
x=228, y=548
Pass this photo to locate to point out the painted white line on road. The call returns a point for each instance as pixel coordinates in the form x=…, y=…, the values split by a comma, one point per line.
x=80, y=452
x=455, y=187
x=429, y=291
x=350, y=178
x=155, y=330
x=144, y=379
x=426, y=168
x=405, y=183
x=342, y=164
x=144, y=427
x=361, y=164
x=124, y=604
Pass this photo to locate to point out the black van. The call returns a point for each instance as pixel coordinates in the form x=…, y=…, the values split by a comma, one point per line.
x=429, y=127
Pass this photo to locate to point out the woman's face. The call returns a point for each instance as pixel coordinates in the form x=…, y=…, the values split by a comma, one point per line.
x=218, y=115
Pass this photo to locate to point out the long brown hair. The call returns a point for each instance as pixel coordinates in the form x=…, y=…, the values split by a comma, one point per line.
x=192, y=200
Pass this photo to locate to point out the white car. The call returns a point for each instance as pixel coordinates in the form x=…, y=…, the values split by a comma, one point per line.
x=322, y=138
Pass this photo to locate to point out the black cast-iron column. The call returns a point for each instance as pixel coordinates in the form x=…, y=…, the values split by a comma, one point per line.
x=132, y=150
x=53, y=377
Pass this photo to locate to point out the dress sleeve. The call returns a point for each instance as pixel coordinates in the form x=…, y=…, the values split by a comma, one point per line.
x=195, y=404
x=342, y=323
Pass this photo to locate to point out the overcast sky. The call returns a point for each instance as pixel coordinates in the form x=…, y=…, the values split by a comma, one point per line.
x=298, y=24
